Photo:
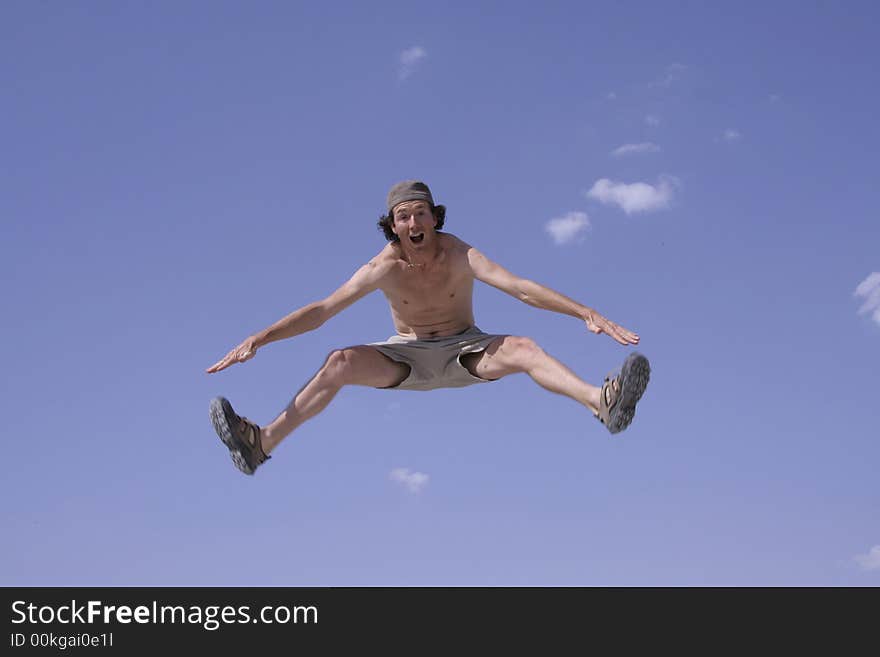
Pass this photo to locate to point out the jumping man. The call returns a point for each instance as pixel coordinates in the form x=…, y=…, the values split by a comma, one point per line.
x=428, y=278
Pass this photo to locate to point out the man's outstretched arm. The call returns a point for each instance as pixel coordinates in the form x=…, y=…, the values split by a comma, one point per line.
x=308, y=318
x=540, y=296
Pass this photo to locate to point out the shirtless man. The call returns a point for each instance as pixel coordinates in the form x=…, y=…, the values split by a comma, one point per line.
x=428, y=278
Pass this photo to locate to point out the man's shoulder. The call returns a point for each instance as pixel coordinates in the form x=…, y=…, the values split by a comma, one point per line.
x=387, y=257
x=376, y=270
x=452, y=242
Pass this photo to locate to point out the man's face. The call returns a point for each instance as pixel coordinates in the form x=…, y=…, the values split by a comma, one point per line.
x=413, y=223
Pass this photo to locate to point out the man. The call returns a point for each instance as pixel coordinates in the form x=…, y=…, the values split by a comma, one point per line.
x=428, y=278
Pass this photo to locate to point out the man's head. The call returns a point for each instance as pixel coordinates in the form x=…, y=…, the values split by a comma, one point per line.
x=411, y=210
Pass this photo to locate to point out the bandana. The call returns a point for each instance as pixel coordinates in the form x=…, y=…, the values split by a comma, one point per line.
x=408, y=190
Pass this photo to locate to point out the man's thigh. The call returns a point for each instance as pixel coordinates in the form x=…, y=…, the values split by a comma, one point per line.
x=366, y=366
x=503, y=356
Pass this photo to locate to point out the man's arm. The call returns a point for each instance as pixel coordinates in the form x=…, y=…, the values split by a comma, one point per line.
x=540, y=296
x=308, y=318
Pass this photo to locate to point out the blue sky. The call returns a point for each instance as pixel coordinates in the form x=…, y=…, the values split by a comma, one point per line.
x=177, y=176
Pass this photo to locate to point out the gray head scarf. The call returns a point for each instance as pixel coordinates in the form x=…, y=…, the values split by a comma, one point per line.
x=408, y=190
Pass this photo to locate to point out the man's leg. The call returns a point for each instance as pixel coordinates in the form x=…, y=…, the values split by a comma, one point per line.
x=511, y=354
x=362, y=365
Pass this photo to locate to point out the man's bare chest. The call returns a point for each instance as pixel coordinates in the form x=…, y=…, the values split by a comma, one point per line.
x=420, y=288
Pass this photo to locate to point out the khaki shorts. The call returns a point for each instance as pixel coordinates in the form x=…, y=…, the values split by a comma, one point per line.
x=436, y=362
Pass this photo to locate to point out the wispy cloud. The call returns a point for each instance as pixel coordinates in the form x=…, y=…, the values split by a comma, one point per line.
x=635, y=197
x=392, y=410
x=870, y=561
x=629, y=149
x=409, y=61
x=414, y=482
x=870, y=290
x=732, y=135
x=670, y=74
x=611, y=95
x=566, y=228
x=652, y=120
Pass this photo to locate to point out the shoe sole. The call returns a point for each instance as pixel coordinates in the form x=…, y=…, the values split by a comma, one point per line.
x=634, y=376
x=221, y=410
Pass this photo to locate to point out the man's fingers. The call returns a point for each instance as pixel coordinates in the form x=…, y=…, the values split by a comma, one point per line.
x=632, y=337
x=627, y=335
x=221, y=364
x=615, y=331
x=238, y=355
x=623, y=336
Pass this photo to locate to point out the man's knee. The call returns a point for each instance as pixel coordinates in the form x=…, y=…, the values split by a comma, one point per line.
x=520, y=352
x=339, y=367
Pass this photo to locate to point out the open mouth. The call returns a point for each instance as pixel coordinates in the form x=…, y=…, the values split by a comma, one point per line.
x=417, y=239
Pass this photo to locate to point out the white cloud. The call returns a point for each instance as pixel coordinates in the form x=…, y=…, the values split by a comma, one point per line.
x=732, y=135
x=409, y=60
x=870, y=561
x=611, y=96
x=565, y=228
x=671, y=74
x=628, y=149
x=870, y=290
x=635, y=197
x=652, y=119
x=414, y=482
x=392, y=410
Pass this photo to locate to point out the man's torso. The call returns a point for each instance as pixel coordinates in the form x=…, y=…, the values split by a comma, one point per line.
x=433, y=300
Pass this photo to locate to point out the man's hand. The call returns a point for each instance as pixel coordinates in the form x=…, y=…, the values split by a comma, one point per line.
x=244, y=351
x=598, y=324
